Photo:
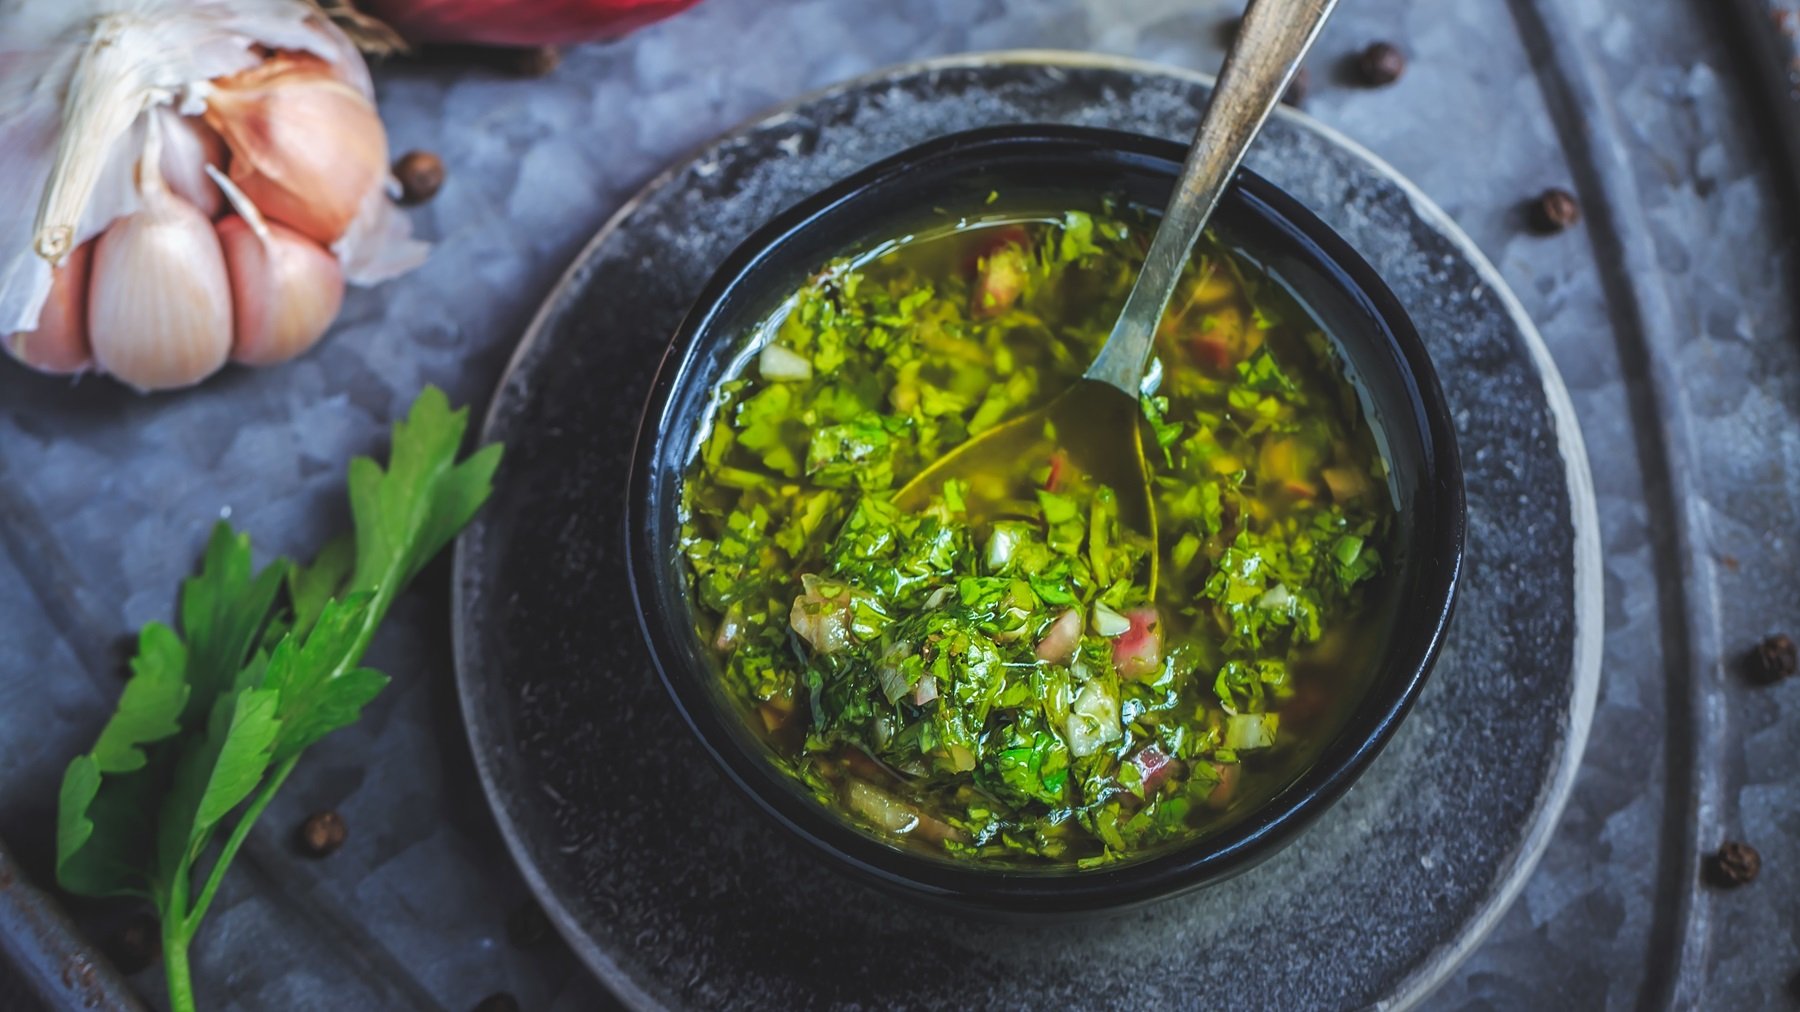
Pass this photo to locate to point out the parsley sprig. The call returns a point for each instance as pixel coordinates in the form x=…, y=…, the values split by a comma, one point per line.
x=266, y=662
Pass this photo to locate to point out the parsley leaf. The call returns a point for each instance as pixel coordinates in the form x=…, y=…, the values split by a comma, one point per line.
x=1077, y=238
x=1168, y=433
x=320, y=687
x=310, y=587
x=150, y=709
x=223, y=612
x=101, y=810
x=215, y=717
x=213, y=775
x=405, y=514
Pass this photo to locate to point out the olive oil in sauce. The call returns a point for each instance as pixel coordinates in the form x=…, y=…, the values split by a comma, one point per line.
x=1003, y=685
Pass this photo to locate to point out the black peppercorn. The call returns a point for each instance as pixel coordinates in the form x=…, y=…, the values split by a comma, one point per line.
x=420, y=173
x=135, y=945
x=1297, y=89
x=499, y=1001
x=322, y=834
x=537, y=61
x=1773, y=659
x=1735, y=864
x=527, y=926
x=1555, y=210
x=1381, y=63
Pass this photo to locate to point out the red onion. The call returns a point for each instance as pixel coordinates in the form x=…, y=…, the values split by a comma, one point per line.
x=1061, y=638
x=1138, y=651
x=519, y=22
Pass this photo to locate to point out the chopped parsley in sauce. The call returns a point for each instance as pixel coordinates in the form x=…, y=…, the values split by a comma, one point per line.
x=1010, y=690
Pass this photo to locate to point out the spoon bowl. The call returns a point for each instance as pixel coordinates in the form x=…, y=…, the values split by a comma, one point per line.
x=1090, y=428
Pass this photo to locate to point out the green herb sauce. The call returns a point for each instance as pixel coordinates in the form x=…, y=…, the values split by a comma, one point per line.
x=1006, y=689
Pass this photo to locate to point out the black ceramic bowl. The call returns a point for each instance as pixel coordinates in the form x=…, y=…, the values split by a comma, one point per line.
x=1039, y=168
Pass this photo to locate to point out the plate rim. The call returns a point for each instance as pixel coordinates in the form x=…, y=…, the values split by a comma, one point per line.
x=1588, y=575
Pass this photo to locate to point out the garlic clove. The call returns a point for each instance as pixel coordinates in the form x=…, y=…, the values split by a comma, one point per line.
x=189, y=146
x=285, y=290
x=159, y=298
x=305, y=146
x=60, y=342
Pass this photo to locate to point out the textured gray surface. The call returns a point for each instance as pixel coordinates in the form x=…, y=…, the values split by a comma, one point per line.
x=1768, y=31
x=36, y=956
x=1670, y=313
x=1375, y=903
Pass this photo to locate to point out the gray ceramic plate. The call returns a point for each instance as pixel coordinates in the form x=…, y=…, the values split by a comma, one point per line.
x=677, y=894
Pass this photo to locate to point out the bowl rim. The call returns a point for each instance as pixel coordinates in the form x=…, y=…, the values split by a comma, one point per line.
x=1259, y=832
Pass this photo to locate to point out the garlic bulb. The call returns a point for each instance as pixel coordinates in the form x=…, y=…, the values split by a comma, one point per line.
x=305, y=146
x=159, y=299
x=269, y=91
x=285, y=289
x=60, y=342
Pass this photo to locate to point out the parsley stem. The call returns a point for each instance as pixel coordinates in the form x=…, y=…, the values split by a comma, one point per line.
x=239, y=833
x=175, y=936
x=175, y=966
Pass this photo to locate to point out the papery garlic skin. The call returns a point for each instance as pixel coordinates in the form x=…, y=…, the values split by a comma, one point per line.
x=306, y=147
x=60, y=342
x=159, y=298
x=379, y=244
x=285, y=290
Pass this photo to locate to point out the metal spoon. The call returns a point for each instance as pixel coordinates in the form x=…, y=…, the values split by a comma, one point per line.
x=1097, y=421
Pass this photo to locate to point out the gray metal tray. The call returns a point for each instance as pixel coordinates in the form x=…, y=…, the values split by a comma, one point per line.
x=1670, y=313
